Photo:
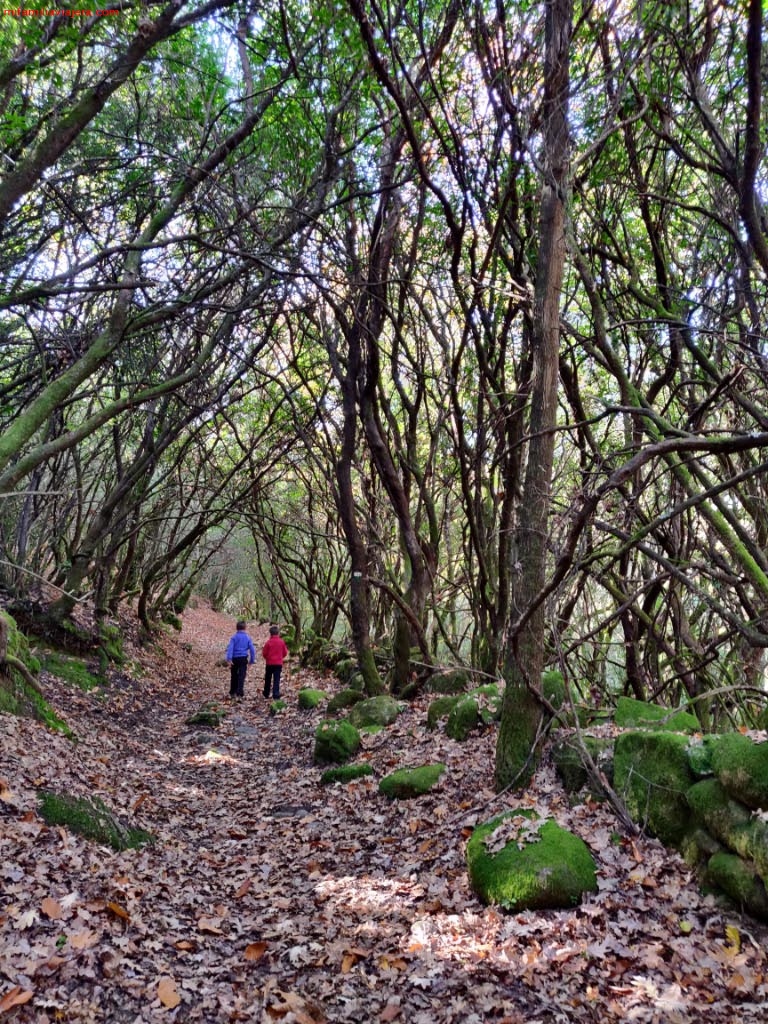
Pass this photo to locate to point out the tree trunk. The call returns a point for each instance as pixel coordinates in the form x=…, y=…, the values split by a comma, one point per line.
x=522, y=711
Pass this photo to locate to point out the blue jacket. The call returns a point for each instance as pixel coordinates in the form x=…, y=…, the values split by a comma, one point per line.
x=241, y=646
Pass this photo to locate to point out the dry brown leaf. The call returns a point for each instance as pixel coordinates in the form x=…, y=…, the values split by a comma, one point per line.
x=166, y=992
x=51, y=908
x=118, y=911
x=210, y=925
x=390, y=1012
x=16, y=997
x=255, y=950
x=84, y=939
x=244, y=888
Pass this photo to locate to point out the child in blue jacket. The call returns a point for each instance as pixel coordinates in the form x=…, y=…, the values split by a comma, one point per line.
x=240, y=653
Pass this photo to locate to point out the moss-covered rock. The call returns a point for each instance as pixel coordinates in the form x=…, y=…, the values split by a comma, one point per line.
x=463, y=718
x=570, y=764
x=518, y=861
x=489, y=699
x=336, y=742
x=92, y=819
x=439, y=709
x=652, y=776
x=740, y=882
x=742, y=767
x=209, y=715
x=381, y=711
x=345, y=773
x=310, y=698
x=277, y=707
x=343, y=700
x=407, y=783
x=730, y=822
x=637, y=714
x=700, y=756
x=448, y=681
x=20, y=693
x=345, y=669
x=110, y=646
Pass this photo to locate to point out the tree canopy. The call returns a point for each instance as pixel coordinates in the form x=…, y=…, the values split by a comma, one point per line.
x=438, y=326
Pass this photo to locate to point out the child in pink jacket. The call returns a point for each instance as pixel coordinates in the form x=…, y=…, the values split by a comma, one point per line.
x=275, y=652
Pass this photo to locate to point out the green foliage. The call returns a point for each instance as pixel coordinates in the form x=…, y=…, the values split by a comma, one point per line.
x=91, y=818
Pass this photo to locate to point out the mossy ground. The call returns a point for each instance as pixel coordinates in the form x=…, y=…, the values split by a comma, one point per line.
x=345, y=773
x=92, y=819
x=71, y=670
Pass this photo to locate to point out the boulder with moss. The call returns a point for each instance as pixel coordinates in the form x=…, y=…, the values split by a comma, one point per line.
x=519, y=861
x=345, y=669
x=741, y=765
x=448, y=681
x=277, y=707
x=345, y=773
x=336, y=742
x=463, y=718
x=408, y=783
x=344, y=699
x=309, y=698
x=652, y=776
x=377, y=711
x=638, y=714
x=731, y=823
x=572, y=766
x=440, y=708
x=740, y=882
x=209, y=715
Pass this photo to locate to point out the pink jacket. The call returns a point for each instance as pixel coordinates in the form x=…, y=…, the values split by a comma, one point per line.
x=274, y=650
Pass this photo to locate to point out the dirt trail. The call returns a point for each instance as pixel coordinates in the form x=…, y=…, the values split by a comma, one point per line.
x=268, y=897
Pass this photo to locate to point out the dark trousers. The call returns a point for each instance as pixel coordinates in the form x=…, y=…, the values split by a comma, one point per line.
x=237, y=676
x=272, y=677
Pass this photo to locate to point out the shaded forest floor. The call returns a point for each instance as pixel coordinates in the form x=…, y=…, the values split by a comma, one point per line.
x=268, y=897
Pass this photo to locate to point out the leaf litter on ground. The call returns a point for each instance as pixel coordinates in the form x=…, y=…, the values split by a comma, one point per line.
x=269, y=897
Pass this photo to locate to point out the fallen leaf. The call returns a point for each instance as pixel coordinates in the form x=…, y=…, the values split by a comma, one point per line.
x=255, y=950
x=118, y=911
x=16, y=997
x=210, y=925
x=84, y=939
x=244, y=888
x=166, y=992
x=51, y=908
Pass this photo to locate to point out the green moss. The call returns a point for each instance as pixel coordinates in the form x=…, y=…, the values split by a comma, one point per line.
x=92, y=819
x=463, y=718
x=448, y=681
x=652, y=776
x=739, y=881
x=277, y=707
x=381, y=711
x=407, y=783
x=730, y=822
x=742, y=767
x=336, y=742
x=637, y=714
x=553, y=688
x=210, y=715
x=110, y=646
x=541, y=866
x=71, y=670
x=570, y=764
x=345, y=773
x=310, y=698
x=343, y=700
x=345, y=669
x=440, y=708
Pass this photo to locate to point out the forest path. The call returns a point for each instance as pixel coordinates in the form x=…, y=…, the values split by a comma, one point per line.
x=268, y=897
